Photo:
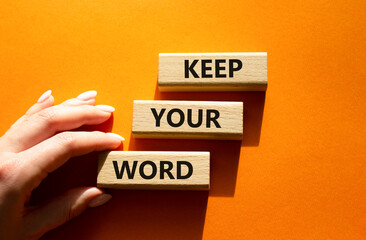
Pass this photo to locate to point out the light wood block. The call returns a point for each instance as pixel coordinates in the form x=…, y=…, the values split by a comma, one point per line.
x=187, y=120
x=212, y=72
x=154, y=170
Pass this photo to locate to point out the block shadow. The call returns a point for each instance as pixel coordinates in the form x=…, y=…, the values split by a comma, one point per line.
x=224, y=158
x=253, y=108
x=224, y=154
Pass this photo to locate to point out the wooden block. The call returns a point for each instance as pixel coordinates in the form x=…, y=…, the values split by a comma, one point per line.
x=154, y=170
x=187, y=119
x=212, y=71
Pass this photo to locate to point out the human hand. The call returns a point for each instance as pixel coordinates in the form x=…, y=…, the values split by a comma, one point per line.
x=37, y=144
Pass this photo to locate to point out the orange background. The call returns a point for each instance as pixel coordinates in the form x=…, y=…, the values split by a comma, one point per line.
x=300, y=171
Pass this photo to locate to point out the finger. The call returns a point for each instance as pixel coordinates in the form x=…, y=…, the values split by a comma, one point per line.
x=87, y=95
x=86, y=98
x=54, y=152
x=62, y=209
x=77, y=102
x=35, y=128
x=45, y=101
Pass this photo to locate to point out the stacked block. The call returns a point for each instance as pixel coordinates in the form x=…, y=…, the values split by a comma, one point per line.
x=212, y=72
x=185, y=120
x=154, y=170
x=188, y=119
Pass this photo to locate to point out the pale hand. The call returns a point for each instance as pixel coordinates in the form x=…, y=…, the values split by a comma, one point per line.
x=39, y=143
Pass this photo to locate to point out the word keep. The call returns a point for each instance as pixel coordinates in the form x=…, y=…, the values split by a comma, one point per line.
x=206, y=67
x=187, y=119
x=154, y=170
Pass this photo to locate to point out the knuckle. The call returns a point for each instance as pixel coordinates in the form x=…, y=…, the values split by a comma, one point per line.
x=65, y=139
x=72, y=102
x=6, y=171
x=87, y=107
x=69, y=102
x=27, y=114
x=25, y=119
x=11, y=173
x=47, y=115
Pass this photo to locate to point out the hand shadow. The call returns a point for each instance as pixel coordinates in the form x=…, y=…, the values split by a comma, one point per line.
x=76, y=172
x=131, y=214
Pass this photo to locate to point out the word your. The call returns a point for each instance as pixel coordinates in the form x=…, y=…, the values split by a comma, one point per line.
x=211, y=116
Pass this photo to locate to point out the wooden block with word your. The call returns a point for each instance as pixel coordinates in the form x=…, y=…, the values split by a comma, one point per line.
x=187, y=120
x=154, y=170
x=212, y=71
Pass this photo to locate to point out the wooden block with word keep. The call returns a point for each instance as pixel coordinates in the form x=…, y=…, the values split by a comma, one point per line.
x=188, y=120
x=212, y=72
x=154, y=170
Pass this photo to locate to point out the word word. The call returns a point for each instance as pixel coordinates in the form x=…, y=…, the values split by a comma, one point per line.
x=165, y=168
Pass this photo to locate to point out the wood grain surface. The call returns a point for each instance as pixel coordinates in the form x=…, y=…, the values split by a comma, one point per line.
x=213, y=71
x=188, y=119
x=183, y=170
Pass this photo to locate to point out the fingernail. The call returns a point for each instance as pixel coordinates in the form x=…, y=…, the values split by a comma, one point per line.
x=44, y=96
x=100, y=200
x=116, y=135
x=105, y=108
x=87, y=95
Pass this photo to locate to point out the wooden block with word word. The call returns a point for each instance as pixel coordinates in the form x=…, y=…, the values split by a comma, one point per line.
x=212, y=72
x=154, y=170
x=187, y=120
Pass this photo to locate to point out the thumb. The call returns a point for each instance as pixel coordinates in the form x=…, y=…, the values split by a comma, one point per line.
x=56, y=212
